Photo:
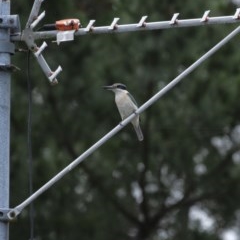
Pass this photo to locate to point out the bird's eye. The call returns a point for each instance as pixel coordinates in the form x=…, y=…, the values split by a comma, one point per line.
x=121, y=86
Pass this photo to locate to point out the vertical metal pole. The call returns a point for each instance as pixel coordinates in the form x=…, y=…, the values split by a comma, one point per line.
x=5, y=78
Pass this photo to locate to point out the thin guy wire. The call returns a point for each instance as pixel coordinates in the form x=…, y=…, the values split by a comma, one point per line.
x=122, y=124
x=29, y=138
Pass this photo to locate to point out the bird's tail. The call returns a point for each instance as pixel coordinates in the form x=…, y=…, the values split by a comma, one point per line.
x=138, y=131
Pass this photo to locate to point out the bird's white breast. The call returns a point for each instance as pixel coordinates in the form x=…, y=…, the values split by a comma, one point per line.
x=124, y=103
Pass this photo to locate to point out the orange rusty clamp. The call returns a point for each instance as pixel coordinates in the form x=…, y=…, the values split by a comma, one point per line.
x=67, y=24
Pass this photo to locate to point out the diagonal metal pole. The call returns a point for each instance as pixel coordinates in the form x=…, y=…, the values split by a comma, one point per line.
x=5, y=78
x=14, y=212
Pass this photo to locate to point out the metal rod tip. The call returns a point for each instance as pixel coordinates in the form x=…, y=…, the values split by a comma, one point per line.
x=205, y=16
x=237, y=14
x=142, y=22
x=174, y=19
x=89, y=26
x=113, y=25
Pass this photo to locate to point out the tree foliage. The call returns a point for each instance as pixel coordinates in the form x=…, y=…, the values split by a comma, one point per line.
x=129, y=190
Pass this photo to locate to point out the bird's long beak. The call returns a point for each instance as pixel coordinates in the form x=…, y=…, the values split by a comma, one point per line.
x=108, y=87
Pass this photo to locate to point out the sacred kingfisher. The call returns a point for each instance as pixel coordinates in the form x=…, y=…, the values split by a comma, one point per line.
x=126, y=105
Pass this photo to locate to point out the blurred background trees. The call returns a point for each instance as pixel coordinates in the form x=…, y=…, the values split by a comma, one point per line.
x=182, y=181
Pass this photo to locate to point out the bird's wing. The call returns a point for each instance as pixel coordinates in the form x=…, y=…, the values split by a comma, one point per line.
x=132, y=98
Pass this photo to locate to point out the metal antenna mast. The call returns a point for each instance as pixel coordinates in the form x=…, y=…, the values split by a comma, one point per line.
x=10, y=31
x=6, y=48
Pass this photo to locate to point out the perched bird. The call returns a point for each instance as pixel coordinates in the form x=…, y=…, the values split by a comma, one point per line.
x=126, y=105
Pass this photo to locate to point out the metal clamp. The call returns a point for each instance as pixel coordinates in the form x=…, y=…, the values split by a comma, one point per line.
x=28, y=38
x=8, y=68
x=63, y=36
x=8, y=215
x=10, y=21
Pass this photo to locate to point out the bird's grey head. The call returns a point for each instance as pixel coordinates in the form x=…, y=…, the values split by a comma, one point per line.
x=116, y=86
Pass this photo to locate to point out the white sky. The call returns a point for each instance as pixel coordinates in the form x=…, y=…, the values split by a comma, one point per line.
x=207, y=224
x=230, y=234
